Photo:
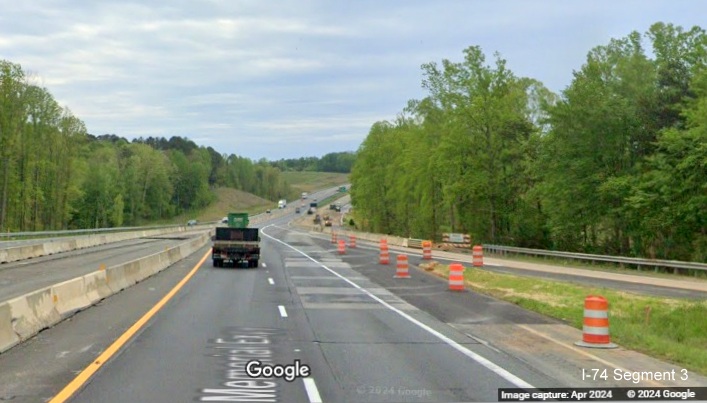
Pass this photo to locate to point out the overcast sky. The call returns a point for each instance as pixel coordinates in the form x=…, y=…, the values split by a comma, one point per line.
x=285, y=79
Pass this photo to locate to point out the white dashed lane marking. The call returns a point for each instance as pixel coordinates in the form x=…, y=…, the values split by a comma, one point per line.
x=283, y=312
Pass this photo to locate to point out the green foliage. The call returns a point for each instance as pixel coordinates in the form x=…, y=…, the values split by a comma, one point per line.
x=341, y=162
x=616, y=164
x=54, y=175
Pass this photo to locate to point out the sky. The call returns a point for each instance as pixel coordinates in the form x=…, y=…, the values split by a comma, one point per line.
x=291, y=78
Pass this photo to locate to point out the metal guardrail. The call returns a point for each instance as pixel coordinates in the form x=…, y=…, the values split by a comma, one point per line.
x=675, y=264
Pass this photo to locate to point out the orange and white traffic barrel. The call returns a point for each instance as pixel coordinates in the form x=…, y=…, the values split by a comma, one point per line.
x=478, y=256
x=385, y=255
x=456, y=277
x=426, y=250
x=333, y=237
x=402, y=267
x=352, y=241
x=595, y=332
x=342, y=247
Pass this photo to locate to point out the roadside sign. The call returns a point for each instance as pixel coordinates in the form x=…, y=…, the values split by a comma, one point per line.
x=456, y=238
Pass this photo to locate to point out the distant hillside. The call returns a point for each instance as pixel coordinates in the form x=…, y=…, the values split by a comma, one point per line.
x=228, y=200
x=233, y=200
x=306, y=181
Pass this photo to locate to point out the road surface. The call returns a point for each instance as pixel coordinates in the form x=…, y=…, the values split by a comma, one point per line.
x=365, y=336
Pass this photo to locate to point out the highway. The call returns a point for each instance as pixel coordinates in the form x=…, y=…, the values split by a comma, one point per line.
x=67, y=236
x=633, y=283
x=17, y=278
x=366, y=336
x=355, y=345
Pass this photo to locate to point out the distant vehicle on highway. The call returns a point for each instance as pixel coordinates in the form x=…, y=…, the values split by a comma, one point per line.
x=191, y=222
x=224, y=220
x=267, y=211
x=304, y=195
x=296, y=210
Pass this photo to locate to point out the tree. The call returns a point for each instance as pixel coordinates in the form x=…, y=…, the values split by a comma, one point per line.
x=12, y=118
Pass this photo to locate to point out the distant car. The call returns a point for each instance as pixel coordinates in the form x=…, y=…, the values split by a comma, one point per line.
x=297, y=210
x=224, y=220
x=267, y=211
x=191, y=222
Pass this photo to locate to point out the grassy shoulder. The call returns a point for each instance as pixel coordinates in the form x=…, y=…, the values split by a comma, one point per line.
x=669, y=329
x=306, y=181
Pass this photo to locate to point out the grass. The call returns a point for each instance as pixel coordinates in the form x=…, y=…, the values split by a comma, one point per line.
x=228, y=200
x=306, y=181
x=330, y=200
x=673, y=330
x=231, y=200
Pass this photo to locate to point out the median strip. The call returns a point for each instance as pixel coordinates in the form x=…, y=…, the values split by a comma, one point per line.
x=23, y=317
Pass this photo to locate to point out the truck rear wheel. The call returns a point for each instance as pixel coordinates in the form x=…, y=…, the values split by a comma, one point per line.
x=218, y=263
x=253, y=264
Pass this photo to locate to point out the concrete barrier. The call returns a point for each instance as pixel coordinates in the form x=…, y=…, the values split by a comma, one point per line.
x=8, y=337
x=96, y=284
x=70, y=296
x=132, y=271
x=27, y=315
x=115, y=277
x=16, y=253
x=33, y=312
x=152, y=265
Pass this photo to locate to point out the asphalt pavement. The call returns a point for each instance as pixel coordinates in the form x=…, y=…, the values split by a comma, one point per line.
x=24, y=276
x=364, y=335
x=361, y=342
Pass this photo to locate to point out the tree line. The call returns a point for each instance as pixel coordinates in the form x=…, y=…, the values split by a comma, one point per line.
x=614, y=164
x=341, y=162
x=55, y=175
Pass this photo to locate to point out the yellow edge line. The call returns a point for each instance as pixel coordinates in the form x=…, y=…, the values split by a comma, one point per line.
x=91, y=369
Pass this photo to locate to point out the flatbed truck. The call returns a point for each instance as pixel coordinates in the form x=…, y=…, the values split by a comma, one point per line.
x=236, y=244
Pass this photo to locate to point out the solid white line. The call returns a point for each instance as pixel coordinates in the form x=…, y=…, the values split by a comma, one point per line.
x=271, y=281
x=283, y=312
x=312, y=391
x=503, y=373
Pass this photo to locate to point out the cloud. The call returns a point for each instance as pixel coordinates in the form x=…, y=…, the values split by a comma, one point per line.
x=299, y=77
